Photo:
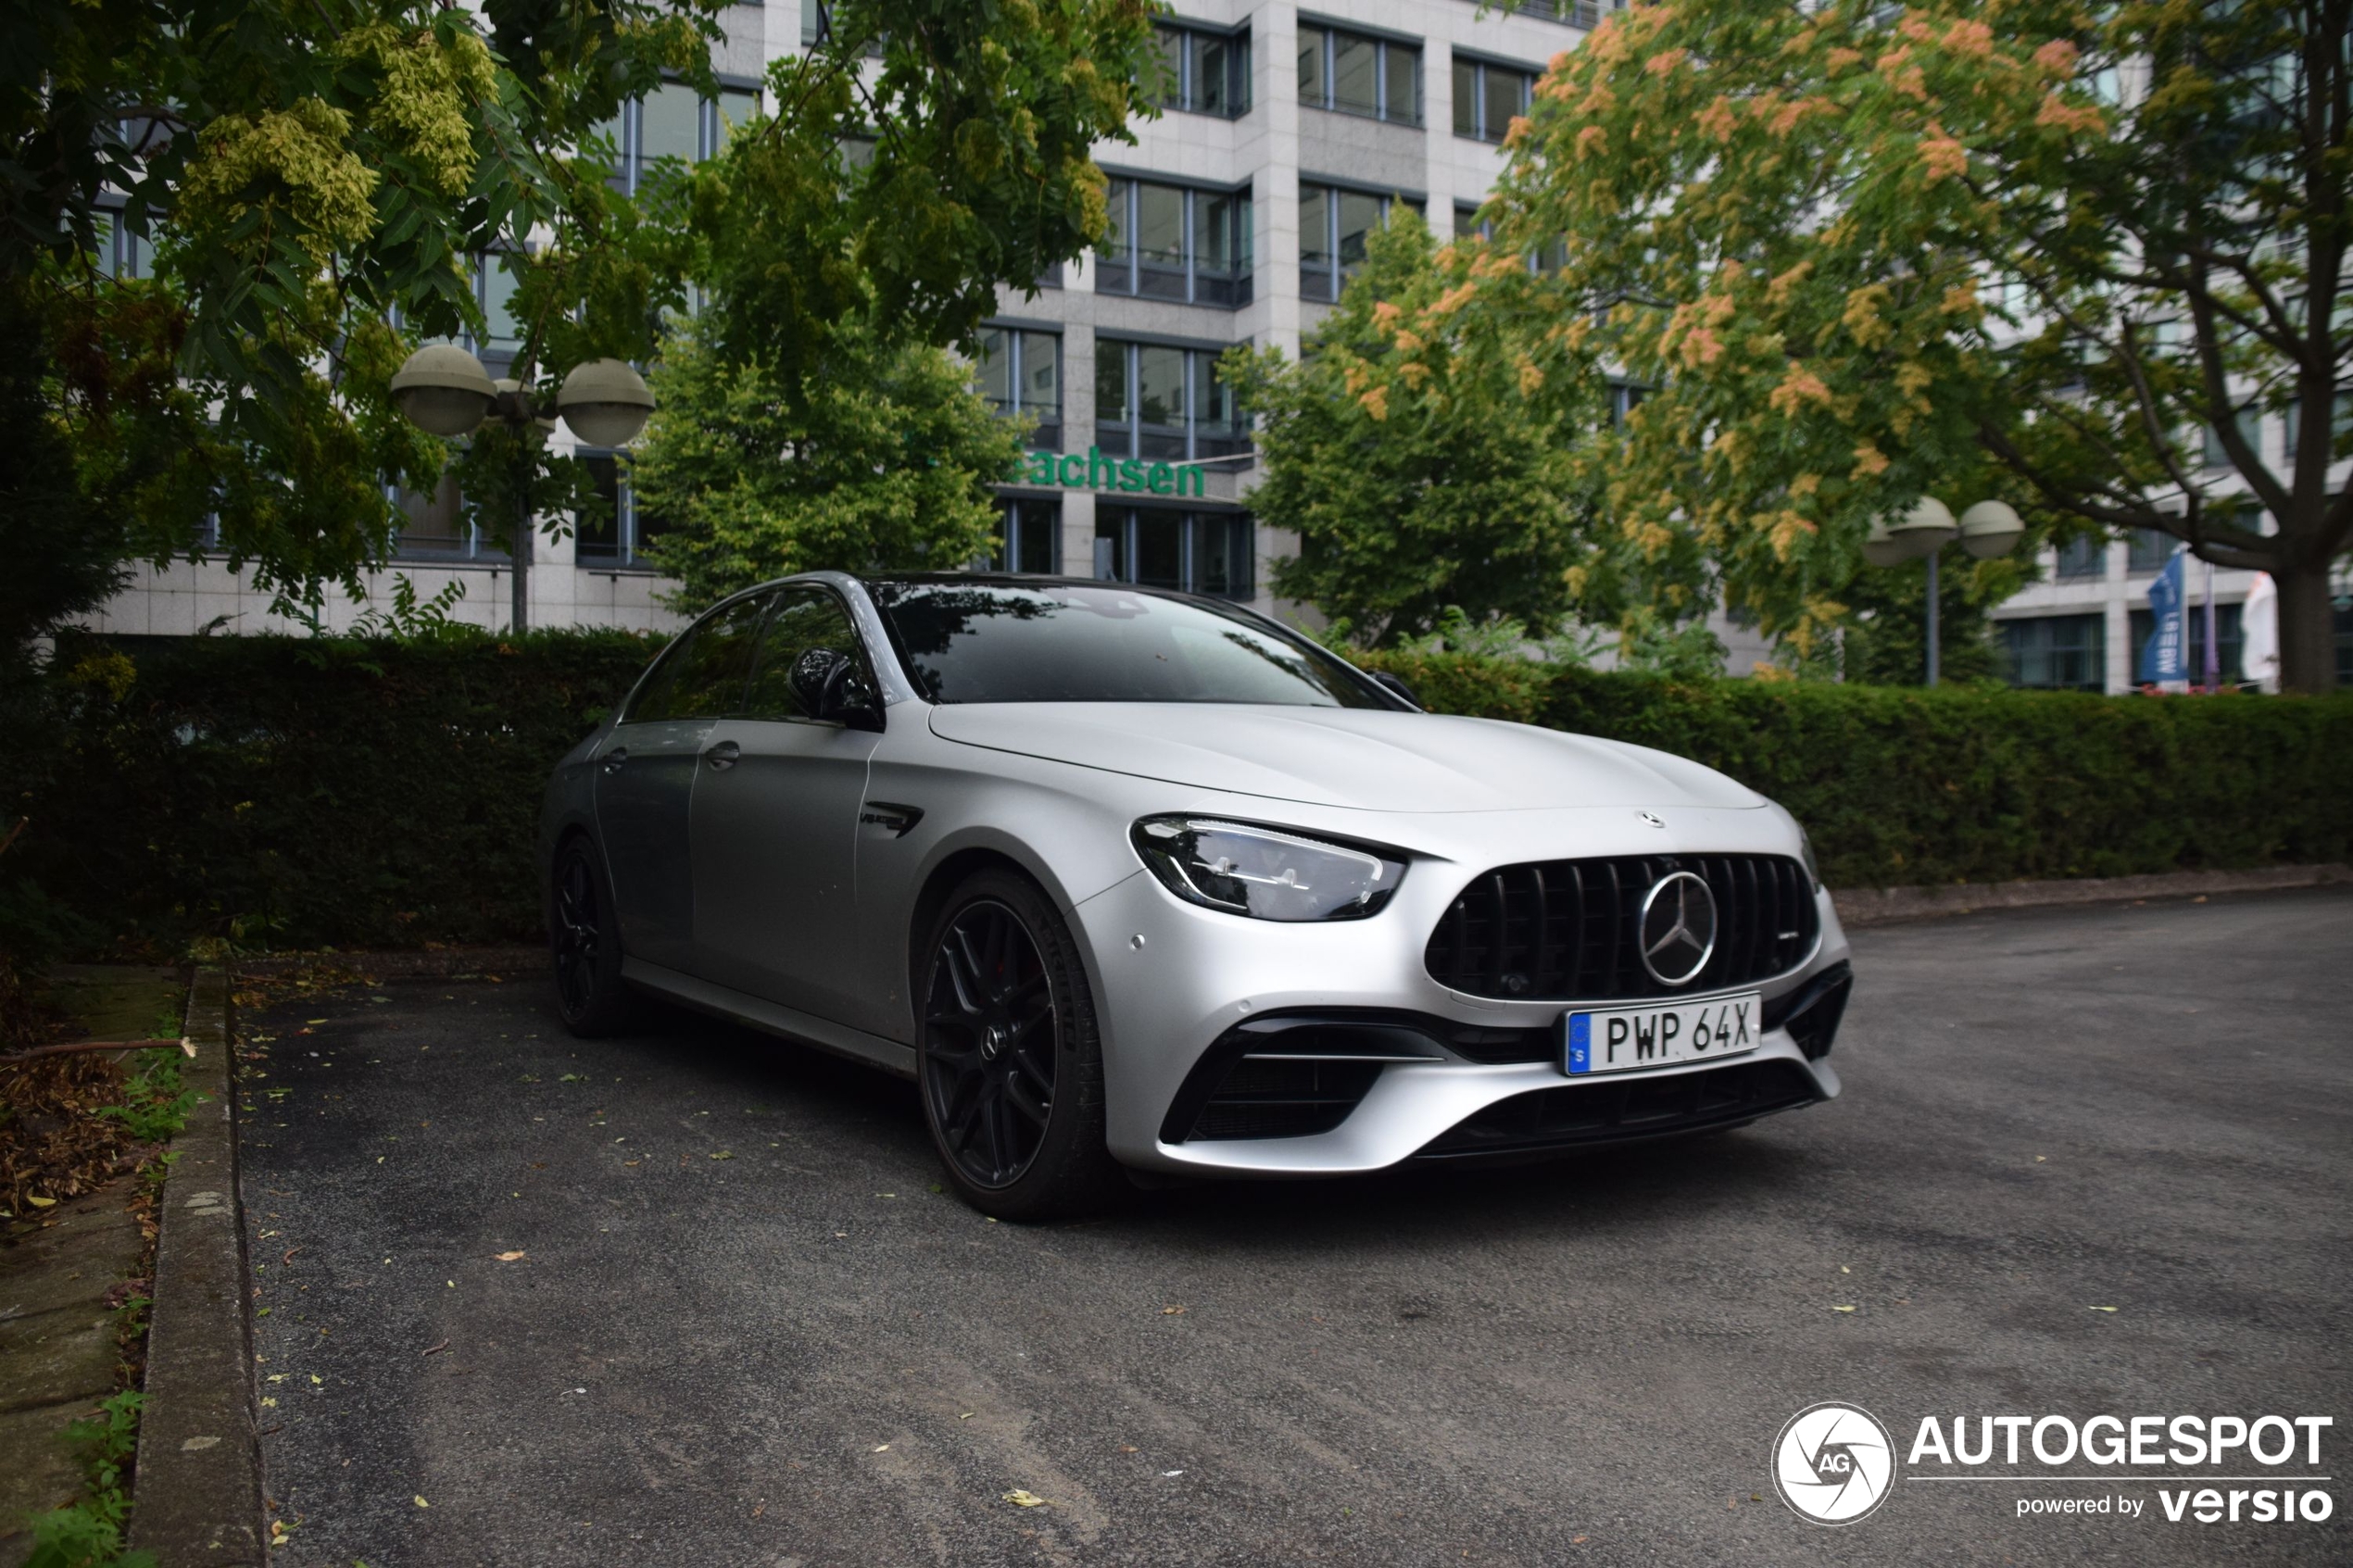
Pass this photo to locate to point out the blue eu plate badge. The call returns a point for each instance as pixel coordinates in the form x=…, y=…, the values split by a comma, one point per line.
x=1580, y=1042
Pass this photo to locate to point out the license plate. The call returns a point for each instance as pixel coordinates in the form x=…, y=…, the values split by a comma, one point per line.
x=1626, y=1039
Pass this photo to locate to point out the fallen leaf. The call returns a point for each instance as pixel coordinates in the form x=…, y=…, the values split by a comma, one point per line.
x=624, y=1163
x=1172, y=1312
x=1577, y=1540
x=882, y=1447
x=724, y=1154
x=1021, y=1498
x=1171, y=1473
x=2103, y=1308
x=966, y=1416
x=1844, y=1269
x=422, y=1504
x=510, y=1257
x=269, y=1401
x=314, y=1021
x=40, y=1202
x=1842, y=1308
x=1127, y=1448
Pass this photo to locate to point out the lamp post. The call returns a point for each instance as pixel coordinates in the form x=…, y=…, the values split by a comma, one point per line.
x=443, y=391
x=1987, y=530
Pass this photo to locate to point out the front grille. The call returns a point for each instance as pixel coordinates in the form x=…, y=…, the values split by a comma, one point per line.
x=1571, y=930
x=1636, y=1108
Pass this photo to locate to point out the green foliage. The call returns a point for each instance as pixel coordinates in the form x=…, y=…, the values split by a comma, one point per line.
x=897, y=193
x=1885, y=640
x=154, y=1107
x=328, y=791
x=2014, y=249
x=1900, y=787
x=1413, y=492
x=303, y=175
x=65, y=551
x=89, y=1533
x=884, y=461
x=310, y=790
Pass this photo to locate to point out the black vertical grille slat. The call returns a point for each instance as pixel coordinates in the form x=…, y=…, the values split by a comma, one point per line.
x=1571, y=930
x=1575, y=946
x=1540, y=925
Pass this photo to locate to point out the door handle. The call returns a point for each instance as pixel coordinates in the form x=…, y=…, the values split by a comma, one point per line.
x=612, y=759
x=723, y=755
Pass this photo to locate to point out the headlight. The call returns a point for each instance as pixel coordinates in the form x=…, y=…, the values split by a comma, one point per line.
x=1806, y=853
x=1262, y=873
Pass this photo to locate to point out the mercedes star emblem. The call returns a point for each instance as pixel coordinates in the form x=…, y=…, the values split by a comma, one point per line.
x=1678, y=928
x=1653, y=818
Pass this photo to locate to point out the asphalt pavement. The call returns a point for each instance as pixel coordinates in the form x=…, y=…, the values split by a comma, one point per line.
x=697, y=1297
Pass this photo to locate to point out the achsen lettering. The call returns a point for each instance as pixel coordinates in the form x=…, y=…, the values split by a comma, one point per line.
x=1113, y=475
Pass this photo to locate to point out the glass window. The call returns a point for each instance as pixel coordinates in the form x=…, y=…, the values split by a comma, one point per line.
x=434, y=522
x=1159, y=402
x=990, y=642
x=1315, y=227
x=1111, y=381
x=703, y=675
x=802, y=621
x=1466, y=97
x=1019, y=370
x=1160, y=548
x=1165, y=547
x=1171, y=241
x=621, y=537
x=1335, y=224
x=1356, y=74
x=2084, y=555
x=1503, y=98
x=2058, y=652
x=2340, y=420
x=2149, y=550
x=499, y=284
x=2250, y=423
x=1160, y=385
x=1159, y=224
x=1029, y=537
x=2229, y=637
x=670, y=124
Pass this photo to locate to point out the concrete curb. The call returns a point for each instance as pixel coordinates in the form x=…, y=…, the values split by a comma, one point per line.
x=1882, y=906
x=199, y=1493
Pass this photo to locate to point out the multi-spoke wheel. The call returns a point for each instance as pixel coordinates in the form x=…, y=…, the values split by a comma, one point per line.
x=589, y=993
x=1012, y=1075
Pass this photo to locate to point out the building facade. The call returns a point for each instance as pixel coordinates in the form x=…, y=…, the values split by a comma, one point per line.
x=1237, y=216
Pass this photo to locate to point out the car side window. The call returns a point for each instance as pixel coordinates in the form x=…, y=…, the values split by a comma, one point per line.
x=703, y=676
x=803, y=621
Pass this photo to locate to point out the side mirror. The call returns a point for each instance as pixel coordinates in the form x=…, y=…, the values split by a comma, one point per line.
x=1396, y=688
x=829, y=687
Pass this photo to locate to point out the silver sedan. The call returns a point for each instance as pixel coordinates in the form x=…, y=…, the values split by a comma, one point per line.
x=1135, y=883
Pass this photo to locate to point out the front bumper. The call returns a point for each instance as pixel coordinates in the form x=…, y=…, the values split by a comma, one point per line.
x=1173, y=980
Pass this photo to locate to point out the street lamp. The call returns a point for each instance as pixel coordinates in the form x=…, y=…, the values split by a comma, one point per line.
x=443, y=391
x=1987, y=530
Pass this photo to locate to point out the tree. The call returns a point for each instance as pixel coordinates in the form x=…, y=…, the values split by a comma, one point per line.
x=1441, y=485
x=1864, y=253
x=885, y=461
x=312, y=180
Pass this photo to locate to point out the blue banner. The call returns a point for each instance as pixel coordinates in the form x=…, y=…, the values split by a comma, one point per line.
x=2165, y=657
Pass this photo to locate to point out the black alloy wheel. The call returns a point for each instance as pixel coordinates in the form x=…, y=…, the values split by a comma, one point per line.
x=1010, y=1067
x=589, y=993
x=989, y=1040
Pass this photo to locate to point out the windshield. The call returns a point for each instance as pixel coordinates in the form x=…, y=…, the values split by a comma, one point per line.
x=980, y=641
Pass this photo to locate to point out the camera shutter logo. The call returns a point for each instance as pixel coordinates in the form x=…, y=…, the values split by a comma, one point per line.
x=1833, y=1463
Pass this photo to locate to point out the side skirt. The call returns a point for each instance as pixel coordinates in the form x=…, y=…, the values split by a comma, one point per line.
x=789, y=1022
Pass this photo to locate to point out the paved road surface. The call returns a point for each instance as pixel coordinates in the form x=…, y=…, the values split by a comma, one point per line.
x=747, y=1328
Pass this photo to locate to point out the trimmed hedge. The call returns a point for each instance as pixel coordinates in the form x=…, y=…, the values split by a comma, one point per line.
x=304, y=792
x=1902, y=786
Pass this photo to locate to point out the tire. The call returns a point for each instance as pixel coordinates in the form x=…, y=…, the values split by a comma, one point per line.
x=584, y=939
x=1008, y=1062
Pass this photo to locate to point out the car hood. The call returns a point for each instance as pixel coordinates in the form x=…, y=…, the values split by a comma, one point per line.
x=1364, y=758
